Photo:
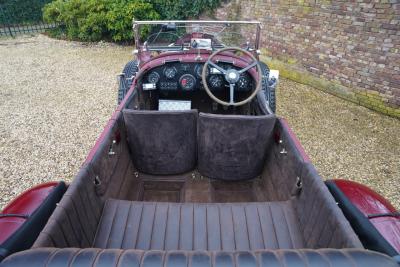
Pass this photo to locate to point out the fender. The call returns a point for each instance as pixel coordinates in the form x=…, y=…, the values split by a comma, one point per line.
x=22, y=219
x=373, y=218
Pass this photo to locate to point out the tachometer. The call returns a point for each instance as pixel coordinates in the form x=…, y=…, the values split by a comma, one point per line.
x=187, y=82
x=170, y=72
x=153, y=77
x=216, y=81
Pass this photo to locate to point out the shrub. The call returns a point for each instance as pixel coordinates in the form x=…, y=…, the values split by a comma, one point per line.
x=21, y=11
x=94, y=20
x=182, y=9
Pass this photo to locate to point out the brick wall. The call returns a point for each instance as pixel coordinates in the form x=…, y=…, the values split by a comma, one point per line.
x=348, y=48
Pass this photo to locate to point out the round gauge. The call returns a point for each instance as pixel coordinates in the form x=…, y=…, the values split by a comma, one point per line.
x=187, y=82
x=199, y=70
x=216, y=81
x=153, y=77
x=170, y=72
x=243, y=82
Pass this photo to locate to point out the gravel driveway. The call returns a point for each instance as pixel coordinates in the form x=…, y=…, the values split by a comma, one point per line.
x=56, y=96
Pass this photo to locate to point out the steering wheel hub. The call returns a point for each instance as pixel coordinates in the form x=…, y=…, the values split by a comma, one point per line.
x=232, y=76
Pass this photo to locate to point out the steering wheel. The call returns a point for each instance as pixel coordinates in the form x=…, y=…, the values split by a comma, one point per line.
x=232, y=76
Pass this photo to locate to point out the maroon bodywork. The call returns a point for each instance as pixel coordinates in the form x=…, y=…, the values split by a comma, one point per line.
x=296, y=141
x=375, y=207
x=24, y=205
x=111, y=179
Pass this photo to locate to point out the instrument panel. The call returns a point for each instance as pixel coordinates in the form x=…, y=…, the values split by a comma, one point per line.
x=176, y=76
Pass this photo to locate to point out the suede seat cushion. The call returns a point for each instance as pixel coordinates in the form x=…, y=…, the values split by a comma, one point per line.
x=162, y=142
x=233, y=147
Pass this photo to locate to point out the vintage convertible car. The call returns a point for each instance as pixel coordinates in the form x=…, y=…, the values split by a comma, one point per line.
x=195, y=169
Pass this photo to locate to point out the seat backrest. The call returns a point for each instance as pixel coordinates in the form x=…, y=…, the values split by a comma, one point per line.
x=162, y=142
x=92, y=257
x=233, y=147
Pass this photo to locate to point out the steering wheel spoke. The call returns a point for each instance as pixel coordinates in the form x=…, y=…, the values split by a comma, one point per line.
x=252, y=65
x=216, y=66
x=231, y=93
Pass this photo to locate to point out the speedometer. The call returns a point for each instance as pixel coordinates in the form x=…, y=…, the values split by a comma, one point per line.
x=187, y=82
x=170, y=72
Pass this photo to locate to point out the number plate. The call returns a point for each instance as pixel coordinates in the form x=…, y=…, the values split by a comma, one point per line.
x=174, y=105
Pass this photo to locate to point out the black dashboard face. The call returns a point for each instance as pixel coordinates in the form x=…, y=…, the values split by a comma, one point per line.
x=176, y=76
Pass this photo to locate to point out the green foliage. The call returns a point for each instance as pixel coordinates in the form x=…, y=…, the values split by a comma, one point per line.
x=21, y=11
x=182, y=9
x=121, y=15
x=93, y=20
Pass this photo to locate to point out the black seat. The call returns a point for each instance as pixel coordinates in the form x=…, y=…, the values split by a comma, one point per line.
x=233, y=147
x=162, y=142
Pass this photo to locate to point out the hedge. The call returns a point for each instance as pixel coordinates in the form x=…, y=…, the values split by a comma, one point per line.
x=182, y=9
x=94, y=20
x=15, y=12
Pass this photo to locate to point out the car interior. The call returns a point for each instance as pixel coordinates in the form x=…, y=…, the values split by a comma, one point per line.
x=193, y=180
x=177, y=179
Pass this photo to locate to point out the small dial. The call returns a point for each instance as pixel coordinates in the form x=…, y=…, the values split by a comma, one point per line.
x=199, y=70
x=153, y=77
x=170, y=72
x=187, y=82
x=216, y=81
x=243, y=82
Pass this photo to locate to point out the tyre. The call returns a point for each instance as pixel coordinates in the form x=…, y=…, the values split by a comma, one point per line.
x=125, y=82
x=269, y=91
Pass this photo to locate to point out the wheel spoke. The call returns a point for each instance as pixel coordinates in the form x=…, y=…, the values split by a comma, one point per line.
x=216, y=66
x=252, y=65
x=231, y=93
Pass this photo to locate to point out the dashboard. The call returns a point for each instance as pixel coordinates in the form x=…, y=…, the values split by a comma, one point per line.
x=177, y=76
